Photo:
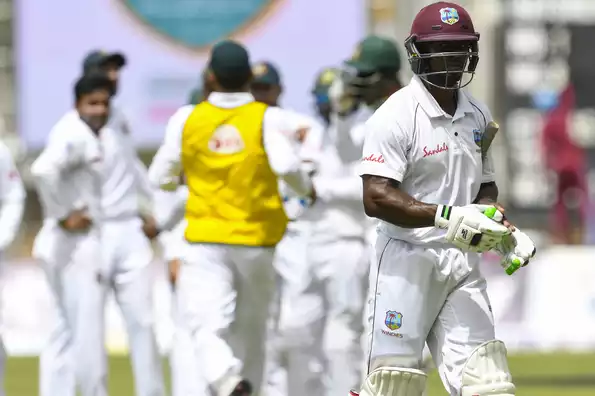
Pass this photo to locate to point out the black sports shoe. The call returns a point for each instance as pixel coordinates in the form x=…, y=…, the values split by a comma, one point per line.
x=243, y=388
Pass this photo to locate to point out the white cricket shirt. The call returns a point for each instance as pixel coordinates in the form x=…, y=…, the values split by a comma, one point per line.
x=125, y=178
x=436, y=157
x=67, y=173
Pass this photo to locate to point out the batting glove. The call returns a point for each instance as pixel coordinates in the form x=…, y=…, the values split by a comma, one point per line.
x=516, y=250
x=472, y=228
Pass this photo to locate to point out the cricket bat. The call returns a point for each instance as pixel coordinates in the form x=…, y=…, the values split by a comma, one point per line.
x=488, y=137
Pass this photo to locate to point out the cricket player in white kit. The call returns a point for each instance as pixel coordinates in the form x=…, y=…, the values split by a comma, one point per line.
x=423, y=169
x=295, y=359
x=12, y=204
x=68, y=178
x=232, y=151
x=125, y=246
x=339, y=249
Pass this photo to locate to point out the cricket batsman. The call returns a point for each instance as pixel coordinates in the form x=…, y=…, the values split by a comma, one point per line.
x=339, y=250
x=232, y=151
x=428, y=176
x=68, y=178
x=125, y=233
x=295, y=358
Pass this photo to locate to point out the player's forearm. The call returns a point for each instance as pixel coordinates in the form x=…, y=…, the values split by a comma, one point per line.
x=385, y=201
x=488, y=193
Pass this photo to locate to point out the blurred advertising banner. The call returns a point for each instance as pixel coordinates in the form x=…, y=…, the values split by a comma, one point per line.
x=546, y=306
x=546, y=108
x=166, y=44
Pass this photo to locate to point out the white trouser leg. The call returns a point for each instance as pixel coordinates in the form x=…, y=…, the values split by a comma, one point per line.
x=186, y=375
x=432, y=293
x=465, y=322
x=75, y=348
x=133, y=290
x=220, y=285
x=343, y=268
x=297, y=357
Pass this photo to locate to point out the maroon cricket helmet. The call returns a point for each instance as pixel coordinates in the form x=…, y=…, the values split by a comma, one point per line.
x=451, y=26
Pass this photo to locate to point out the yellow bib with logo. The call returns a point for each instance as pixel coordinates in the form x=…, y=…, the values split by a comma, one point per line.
x=233, y=193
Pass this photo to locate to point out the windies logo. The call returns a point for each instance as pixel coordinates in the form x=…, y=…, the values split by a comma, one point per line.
x=393, y=320
x=449, y=15
x=200, y=23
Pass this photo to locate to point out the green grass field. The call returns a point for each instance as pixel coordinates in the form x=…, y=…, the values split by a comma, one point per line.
x=534, y=375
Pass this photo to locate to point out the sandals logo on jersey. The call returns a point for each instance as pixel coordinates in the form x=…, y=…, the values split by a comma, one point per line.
x=200, y=23
x=449, y=15
x=394, y=321
x=226, y=140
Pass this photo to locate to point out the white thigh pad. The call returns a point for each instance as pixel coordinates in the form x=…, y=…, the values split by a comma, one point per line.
x=486, y=372
x=394, y=381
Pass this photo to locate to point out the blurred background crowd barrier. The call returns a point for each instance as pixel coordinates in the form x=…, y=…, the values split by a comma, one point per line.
x=536, y=71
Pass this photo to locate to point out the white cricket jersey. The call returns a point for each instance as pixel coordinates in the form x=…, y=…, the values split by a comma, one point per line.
x=282, y=151
x=296, y=206
x=339, y=208
x=436, y=157
x=125, y=177
x=67, y=173
x=12, y=198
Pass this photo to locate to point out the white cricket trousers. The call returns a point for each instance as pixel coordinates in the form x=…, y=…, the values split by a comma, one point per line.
x=126, y=267
x=75, y=354
x=341, y=270
x=187, y=378
x=224, y=294
x=430, y=294
x=295, y=356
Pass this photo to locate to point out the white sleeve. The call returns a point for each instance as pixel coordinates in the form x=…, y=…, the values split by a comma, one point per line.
x=169, y=207
x=283, y=152
x=12, y=198
x=61, y=154
x=140, y=170
x=385, y=148
x=166, y=167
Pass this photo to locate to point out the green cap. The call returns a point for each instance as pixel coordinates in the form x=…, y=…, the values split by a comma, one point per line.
x=97, y=58
x=266, y=73
x=324, y=80
x=230, y=60
x=376, y=53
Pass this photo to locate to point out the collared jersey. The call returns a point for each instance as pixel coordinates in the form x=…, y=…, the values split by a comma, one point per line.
x=125, y=178
x=436, y=157
x=67, y=173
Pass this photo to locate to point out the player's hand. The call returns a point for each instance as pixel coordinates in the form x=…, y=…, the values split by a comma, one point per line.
x=76, y=221
x=516, y=249
x=150, y=227
x=341, y=97
x=173, y=267
x=473, y=228
x=505, y=221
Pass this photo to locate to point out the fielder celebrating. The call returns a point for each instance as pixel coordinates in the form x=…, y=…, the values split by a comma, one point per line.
x=295, y=360
x=232, y=151
x=339, y=250
x=68, y=178
x=423, y=169
x=125, y=246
